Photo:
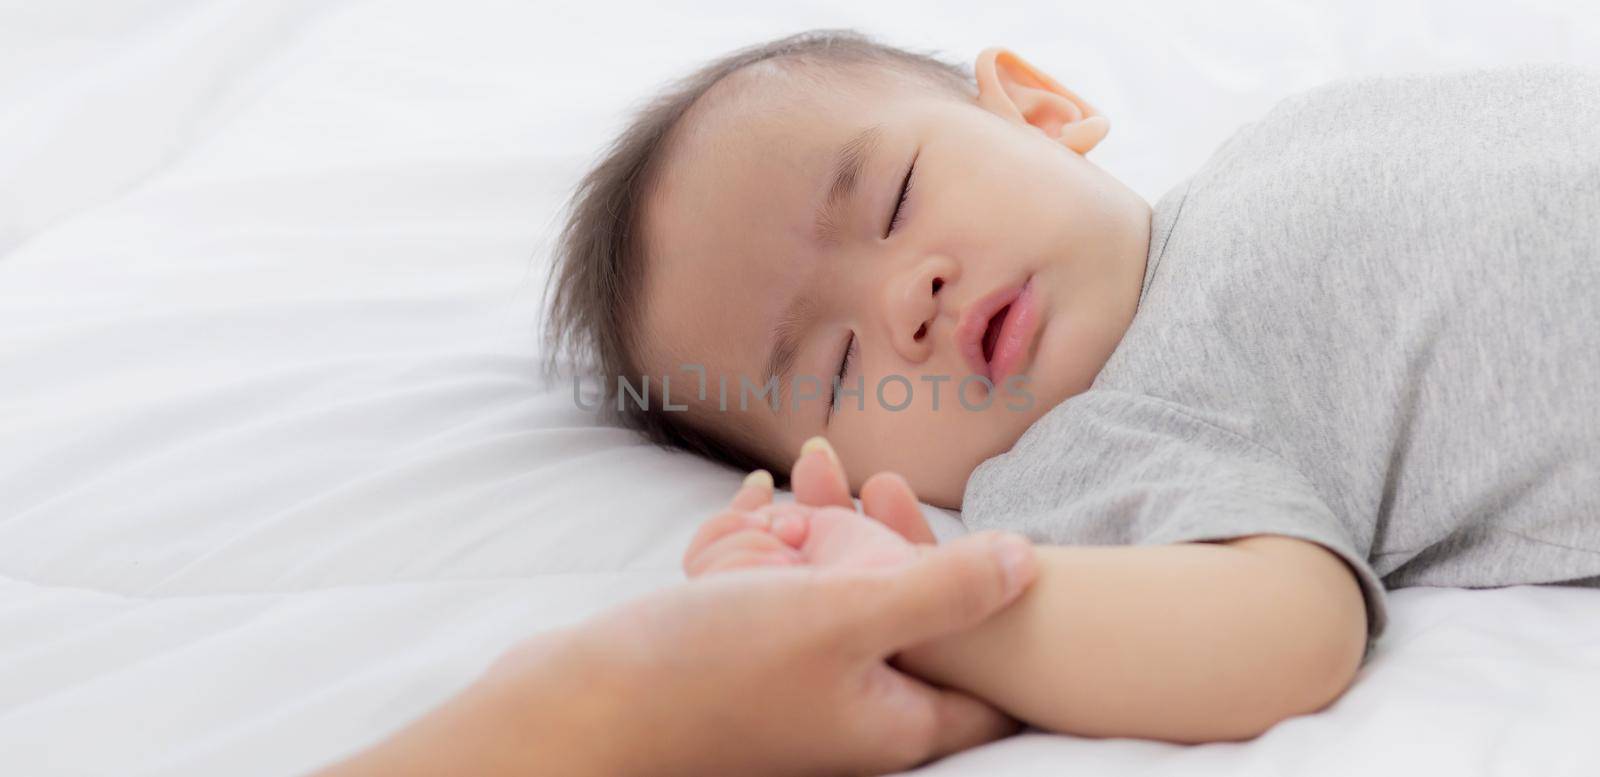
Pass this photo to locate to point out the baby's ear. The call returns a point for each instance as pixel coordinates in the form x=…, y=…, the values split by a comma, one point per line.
x=1017, y=91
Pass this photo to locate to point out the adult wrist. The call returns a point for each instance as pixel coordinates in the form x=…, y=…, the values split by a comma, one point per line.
x=564, y=706
x=537, y=710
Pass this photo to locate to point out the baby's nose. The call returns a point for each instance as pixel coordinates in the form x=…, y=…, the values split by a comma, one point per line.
x=914, y=304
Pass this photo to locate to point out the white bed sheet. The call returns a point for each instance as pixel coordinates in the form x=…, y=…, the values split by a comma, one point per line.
x=278, y=473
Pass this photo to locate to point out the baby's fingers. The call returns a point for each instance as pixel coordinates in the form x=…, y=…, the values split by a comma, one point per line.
x=818, y=478
x=755, y=491
x=746, y=548
x=887, y=497
x=749, y=559
x=718, y=526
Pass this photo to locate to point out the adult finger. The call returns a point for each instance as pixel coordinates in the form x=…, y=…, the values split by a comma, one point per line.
x=950, y=588
x=755, y=491
x=965, y=722
x=933, y=722
x=888, y=498
x=818, y=479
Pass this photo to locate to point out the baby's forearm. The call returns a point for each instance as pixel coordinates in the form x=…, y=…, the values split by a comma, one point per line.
x=1192, y=642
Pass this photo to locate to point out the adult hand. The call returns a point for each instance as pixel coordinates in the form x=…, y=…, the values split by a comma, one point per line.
x=758, y=671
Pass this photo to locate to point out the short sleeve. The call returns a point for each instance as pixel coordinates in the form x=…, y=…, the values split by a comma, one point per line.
x=1110, y=467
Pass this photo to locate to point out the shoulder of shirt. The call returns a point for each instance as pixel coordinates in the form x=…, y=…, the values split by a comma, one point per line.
x=1110, y=403
x=1367, y=92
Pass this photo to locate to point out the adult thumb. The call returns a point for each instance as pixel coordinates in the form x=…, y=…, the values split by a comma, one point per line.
x=950, y=588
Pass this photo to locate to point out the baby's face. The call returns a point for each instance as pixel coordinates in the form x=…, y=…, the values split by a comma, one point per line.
x=998, y=199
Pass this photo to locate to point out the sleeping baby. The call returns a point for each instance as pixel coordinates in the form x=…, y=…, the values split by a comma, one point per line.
x=1353, y=351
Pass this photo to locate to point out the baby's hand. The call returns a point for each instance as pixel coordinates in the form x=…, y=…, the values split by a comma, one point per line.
x=835, y=536
x=757, y=533
x=786, y=534
x=744, y=534
x=818, y=478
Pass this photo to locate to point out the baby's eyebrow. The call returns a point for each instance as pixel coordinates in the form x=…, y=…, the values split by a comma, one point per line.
x=849, y=163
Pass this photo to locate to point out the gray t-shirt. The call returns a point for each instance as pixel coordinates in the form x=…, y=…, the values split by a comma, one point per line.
x=1370, y=321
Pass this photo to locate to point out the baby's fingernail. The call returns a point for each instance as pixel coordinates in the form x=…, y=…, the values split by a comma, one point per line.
x=760, y=479
x=1016, y=561
x=819, y=443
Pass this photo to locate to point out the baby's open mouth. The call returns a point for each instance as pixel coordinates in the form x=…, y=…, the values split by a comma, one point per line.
x=993, y=332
